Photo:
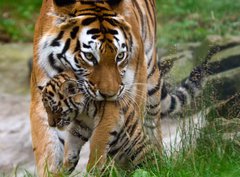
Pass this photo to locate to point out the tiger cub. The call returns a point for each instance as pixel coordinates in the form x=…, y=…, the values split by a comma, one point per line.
x=62, y=99
x=64, y=103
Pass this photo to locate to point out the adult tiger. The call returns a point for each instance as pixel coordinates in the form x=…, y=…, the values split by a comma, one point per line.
x=111, y=46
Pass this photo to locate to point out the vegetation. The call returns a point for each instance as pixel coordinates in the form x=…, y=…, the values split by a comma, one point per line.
x=209, y=156
x=202, y=153
x=190, y=20
x=17, y=19
x=178, y=21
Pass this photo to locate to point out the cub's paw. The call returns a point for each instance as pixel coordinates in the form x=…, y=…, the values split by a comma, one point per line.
x=70, y=162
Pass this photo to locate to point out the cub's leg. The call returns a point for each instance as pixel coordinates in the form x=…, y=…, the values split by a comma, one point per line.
x=102, y=135
x=78, y=133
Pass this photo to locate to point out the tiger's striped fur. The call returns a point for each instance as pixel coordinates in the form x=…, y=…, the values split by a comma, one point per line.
x=64, y=104
x=111, y=47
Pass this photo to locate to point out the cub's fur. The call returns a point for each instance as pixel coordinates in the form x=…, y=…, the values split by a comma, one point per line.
x=64, y=103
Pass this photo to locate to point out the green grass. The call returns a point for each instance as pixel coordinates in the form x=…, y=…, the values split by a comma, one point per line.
x=178, y=21
x=17, y=19
x=210, y=157
x=191, y=20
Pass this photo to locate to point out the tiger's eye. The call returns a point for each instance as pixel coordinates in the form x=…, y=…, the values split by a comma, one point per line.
x=89, y=56
x=120, y=56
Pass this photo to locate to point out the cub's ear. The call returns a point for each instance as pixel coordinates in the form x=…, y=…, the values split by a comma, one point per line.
x=40, y=88
x=62, y=3
x=69, y=88
x=113, y=2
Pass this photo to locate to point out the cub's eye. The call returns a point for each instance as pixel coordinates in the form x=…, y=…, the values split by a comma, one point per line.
x=89, y=56
x=120, y=56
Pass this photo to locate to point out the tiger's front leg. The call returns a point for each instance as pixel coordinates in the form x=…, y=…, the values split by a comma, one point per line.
x=102, y=135
x=47, y=144
x=78, y=134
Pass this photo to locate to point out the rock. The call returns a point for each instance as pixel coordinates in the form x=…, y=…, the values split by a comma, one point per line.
x=16, y=146
x=223, y=55
x=229, y=109
x=214, y=44
x=226, y=84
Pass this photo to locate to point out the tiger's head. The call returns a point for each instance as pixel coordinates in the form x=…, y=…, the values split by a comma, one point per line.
x=91, y=39
x=62, y=100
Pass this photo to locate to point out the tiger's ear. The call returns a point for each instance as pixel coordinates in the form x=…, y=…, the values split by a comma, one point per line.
x=63, y=7
x=69, y=88
x=113, y=2
x=40, y=88
x=62, y=3
x=61, y=10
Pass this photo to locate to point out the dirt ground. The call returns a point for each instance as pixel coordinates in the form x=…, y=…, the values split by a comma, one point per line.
x=16, y=153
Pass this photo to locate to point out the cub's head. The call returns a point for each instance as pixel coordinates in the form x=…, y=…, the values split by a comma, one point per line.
x=62, y=100
x=91, y=39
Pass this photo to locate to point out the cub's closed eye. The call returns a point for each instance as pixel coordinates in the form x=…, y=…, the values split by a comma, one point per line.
x=72, y=90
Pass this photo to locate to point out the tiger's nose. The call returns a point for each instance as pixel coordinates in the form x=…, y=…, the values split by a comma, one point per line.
x=108, y=94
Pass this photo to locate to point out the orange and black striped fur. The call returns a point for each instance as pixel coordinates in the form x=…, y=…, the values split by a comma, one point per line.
x=64, y=102
x=65, y=105
x=111, y=127
x=62, y=99
x=110, y=46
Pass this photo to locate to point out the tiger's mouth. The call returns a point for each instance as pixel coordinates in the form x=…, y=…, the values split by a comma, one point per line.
x=61, y=124
x=62, y=120
x=95, y=94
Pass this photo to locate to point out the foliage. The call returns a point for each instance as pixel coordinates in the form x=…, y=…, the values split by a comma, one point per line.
x=17, y=18
x=210, y=157
x=190, y=20
x=178, y=21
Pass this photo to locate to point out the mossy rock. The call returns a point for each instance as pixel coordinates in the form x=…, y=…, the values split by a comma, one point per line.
x=14, y=71
x=227, y=109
